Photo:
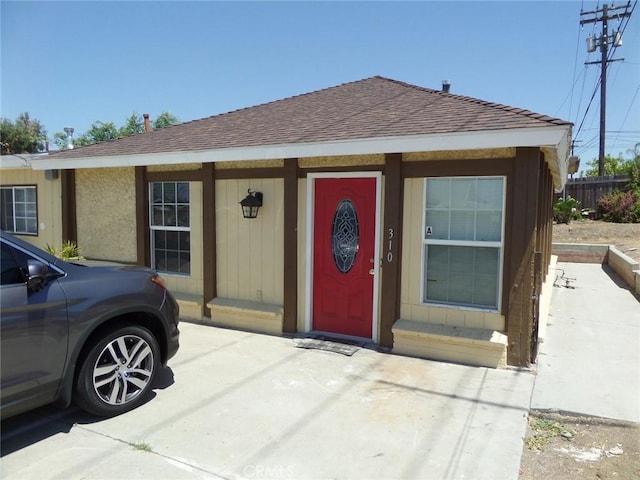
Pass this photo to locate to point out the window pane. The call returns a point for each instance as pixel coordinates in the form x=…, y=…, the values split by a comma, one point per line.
x=486, y=261
x=183, y=215
x=156, y=193
x=485, y=291
x=185, y=262
x=31, y=195
x=172, y=261
x=183, y=193
x=461, y=288
x=185, y=243
x=160, y=239
x=438, y=220
x=170, y=219
x=490, y=193
x=32, y=225
x=173, y=242
x=21, y=209
x=462, y=225
x=463, y=193
x=489, y=226
x=462, y=275
x=438, y=192
x=169, y=195
x=21, y=225
x=19, y=194
x=436, y=273
x=157, y=217
x=6, y=219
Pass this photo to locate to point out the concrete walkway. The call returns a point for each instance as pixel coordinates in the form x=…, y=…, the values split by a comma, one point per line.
x=237, y=405
x=243, y=405
x=589, y=363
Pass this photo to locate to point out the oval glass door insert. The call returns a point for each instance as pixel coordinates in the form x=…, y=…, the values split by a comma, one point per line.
x=345, y=236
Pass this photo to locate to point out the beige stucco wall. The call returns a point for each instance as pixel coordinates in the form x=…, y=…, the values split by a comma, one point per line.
x=508, y=152
x=177, y=167
x=49, y=197
x=342, y=161
x=106, y=213
x=250, y=253
x=411, y=307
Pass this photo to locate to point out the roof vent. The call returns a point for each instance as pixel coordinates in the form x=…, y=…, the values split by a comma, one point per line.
x=446, y=85
x=69, y=132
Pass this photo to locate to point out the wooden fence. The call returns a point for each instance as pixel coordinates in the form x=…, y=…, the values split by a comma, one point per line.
x=588, y=190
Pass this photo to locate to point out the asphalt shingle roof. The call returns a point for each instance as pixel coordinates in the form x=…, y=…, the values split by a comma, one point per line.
x=371, y=108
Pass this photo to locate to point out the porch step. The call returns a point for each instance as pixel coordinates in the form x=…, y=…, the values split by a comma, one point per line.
x=471, y=346
x=247, y=315
x=191, y=306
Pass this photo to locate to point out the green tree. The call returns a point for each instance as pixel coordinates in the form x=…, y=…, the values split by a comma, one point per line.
x=134, y=125
x=25, y=135
x=631, y=167
x=103, y=131
x=612, y=166
x=164, y=120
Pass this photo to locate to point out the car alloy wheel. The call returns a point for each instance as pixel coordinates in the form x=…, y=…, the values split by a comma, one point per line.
x=123, y=369
x=118, y=371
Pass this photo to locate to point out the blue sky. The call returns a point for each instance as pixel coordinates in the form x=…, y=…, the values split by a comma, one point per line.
x=72, y=63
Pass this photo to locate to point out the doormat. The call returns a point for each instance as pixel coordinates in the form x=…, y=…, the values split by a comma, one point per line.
x=326, y=345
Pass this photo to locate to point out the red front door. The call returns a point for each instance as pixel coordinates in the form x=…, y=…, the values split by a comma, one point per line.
x=343, y=255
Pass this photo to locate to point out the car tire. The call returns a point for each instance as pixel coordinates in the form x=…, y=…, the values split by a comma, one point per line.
x=118, y=372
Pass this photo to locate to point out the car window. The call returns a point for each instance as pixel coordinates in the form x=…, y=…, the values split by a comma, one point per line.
x=11, y=272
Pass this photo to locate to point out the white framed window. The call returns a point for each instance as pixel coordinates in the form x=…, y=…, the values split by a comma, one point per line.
x=463, y=241
x=19, y=210
x=169, y=204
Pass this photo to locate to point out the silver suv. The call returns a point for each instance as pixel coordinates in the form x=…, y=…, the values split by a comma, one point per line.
x=94, y=335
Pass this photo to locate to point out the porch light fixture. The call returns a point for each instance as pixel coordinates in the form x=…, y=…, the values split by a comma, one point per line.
x=251, y=204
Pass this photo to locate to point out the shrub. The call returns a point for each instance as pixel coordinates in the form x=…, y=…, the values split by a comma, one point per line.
x=620, y=207
x=68, y=251
x=566, y=209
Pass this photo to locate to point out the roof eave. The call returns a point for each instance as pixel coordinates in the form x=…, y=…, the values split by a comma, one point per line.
x=553, y=139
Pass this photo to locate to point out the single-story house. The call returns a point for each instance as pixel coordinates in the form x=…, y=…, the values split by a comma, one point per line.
x=413, y=218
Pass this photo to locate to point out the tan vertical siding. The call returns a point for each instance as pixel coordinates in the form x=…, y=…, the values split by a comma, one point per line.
x=250, y=253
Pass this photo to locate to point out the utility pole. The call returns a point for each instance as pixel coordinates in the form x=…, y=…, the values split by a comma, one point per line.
x=603, y=15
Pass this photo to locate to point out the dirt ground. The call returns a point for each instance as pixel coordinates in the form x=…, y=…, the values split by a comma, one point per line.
x=559, y=447
x=625, y=236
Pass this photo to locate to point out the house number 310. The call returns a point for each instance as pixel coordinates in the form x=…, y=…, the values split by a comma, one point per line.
x=390, y=234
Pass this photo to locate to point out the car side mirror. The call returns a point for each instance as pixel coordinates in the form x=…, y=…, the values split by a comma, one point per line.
x=36, y=275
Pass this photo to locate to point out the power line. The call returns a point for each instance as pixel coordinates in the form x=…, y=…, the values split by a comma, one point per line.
x=603, y=15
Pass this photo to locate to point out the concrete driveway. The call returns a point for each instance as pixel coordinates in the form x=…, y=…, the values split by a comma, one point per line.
x=241, y=405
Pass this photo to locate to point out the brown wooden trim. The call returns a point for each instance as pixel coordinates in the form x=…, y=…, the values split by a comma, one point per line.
x=303, y=172
x=175, y=176
x=242, y=173
x=210, y=256
x=290, y=320
x=392, y=247
x=143, y=247
x=519, y=284
x=69, y=219
x=455, y=168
